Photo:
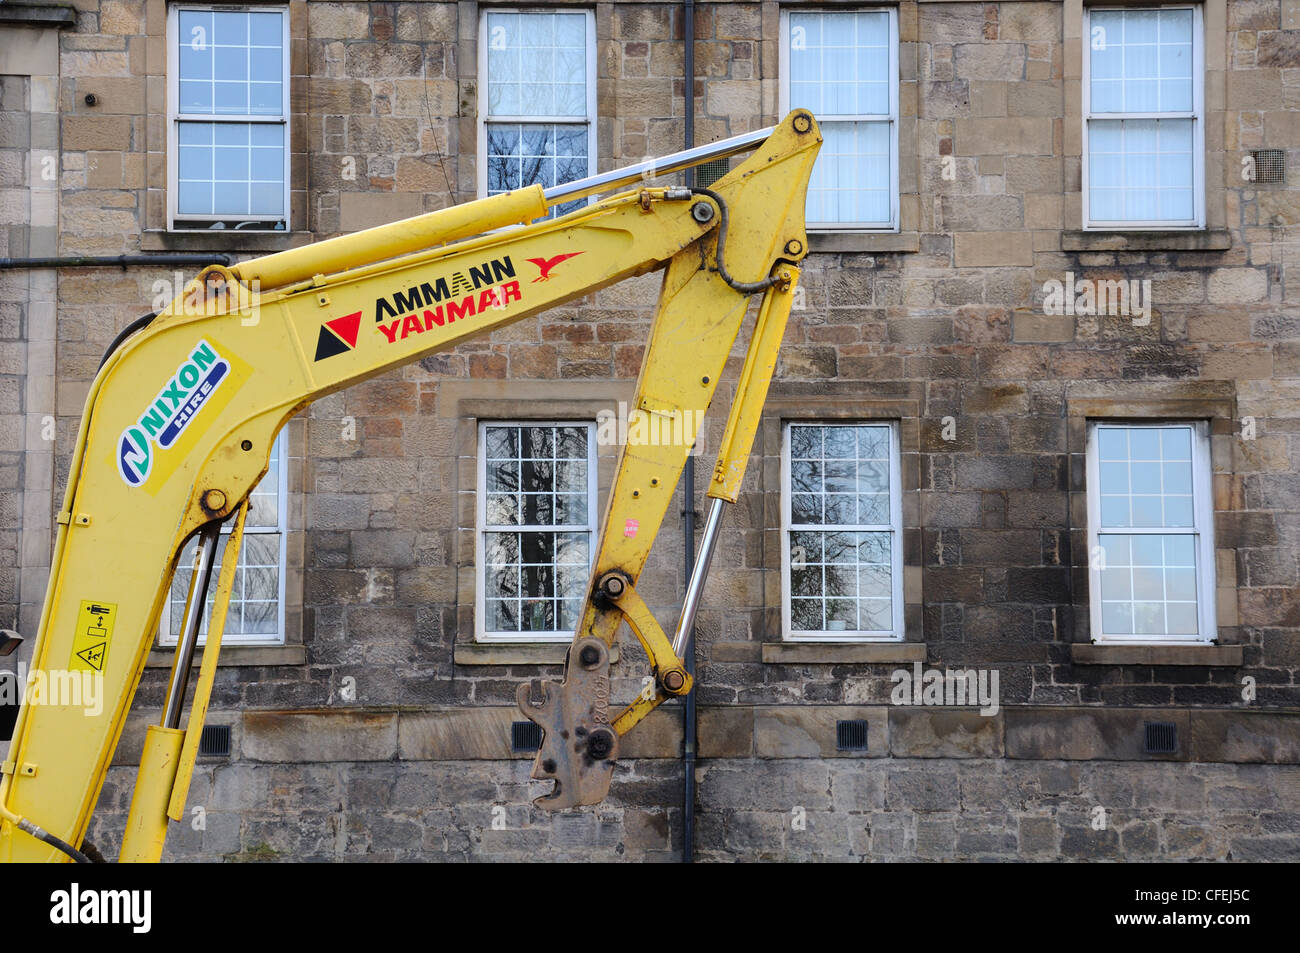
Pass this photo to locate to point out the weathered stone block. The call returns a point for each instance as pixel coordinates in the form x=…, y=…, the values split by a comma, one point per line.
x=810, y=732
x=1082, y=734
x=985, y=249
x=305, y=736
x=932, y=733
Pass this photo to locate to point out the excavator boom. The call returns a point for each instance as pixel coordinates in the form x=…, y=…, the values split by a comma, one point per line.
x=180, y=420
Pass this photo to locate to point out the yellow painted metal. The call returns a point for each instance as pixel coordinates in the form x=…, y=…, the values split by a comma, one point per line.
x=733, y=455
x=651, y=635
x=208, y=668
x=751, y=390
x=146, y=825
x=693, y=333
x=390, y=241
x=309, y=336
x=633, y=713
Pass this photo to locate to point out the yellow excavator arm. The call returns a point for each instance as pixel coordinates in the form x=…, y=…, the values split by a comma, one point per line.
x=181, y=417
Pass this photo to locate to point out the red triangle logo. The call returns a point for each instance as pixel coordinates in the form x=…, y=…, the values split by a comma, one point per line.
x=346, y=327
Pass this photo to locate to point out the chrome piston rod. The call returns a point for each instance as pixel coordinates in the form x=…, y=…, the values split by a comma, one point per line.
x=195, y=602
x=650, y=168
x=712, y=526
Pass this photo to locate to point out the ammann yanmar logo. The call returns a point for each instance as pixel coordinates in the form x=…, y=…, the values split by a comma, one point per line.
x=166, y=418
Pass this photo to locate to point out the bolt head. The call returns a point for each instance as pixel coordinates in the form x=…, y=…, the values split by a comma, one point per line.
x=600, y=744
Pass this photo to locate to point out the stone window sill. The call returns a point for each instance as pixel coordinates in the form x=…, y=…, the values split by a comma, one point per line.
x=1091, y=653
x=238, y=655
x=201, y=240
x=868, y=242
x=1206, y=239
x=57, y=15
x=843, y=653
x=515, y=653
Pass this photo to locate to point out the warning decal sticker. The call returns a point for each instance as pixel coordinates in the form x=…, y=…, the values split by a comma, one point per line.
x=94, y=632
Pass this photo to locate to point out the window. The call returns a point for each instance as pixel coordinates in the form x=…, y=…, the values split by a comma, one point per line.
x=537, y=521
x=539, y=102
x=1150, y=535
x=1144, y=128
x=843, y=67
x=228, y=134
x=842, y=516
x=256, y=613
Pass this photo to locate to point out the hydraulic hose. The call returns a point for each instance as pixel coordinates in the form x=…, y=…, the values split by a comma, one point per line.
x=743, y=287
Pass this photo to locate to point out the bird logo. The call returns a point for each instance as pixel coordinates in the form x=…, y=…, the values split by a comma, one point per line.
x=544, y=265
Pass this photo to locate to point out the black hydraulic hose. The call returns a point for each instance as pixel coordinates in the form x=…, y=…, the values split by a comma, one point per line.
x=744, y=287
x=115, y=261
x=47, y=837
x=139, y=324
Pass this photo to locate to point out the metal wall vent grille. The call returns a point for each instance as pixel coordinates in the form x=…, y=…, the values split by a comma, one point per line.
x=215, y=741
x=709, y=172
x=525, y=736
x=851, y=735
x=1161, y=737
x=1270, y=165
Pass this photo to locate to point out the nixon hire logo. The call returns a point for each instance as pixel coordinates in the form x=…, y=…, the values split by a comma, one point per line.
x=170, y=413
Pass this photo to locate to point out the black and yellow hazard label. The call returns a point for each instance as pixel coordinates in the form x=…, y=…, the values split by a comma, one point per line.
x=94, y=632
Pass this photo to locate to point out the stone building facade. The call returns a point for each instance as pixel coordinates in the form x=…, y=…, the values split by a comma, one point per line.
x=378, y=724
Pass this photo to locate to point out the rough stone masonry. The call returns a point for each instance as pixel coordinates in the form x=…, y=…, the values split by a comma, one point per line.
x=380, y=729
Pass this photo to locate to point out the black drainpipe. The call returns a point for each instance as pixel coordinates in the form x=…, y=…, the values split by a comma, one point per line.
x=688, y=492
x=115, y=261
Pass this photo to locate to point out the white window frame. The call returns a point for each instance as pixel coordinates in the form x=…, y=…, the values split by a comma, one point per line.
x=1203, y=528
x=1197, y=115
x=783, y=67
x=483, y=119
x=176, y=221
x=481, y=528
x=282, y=527
x=895, y=528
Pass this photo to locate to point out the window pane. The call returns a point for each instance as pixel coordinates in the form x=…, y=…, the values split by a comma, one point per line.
x=840, y=66
x=1141, y=170
x=852, y=181
x=522, y=155
x=1141, y=61
x=1145, y=476
x=1148, y=585
x=230, y=63
x=536, y=475
x=841, y=580
x=839, y=473
x=231, y=169
x=839, y=63
x=537, y=64
x=532, y=577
